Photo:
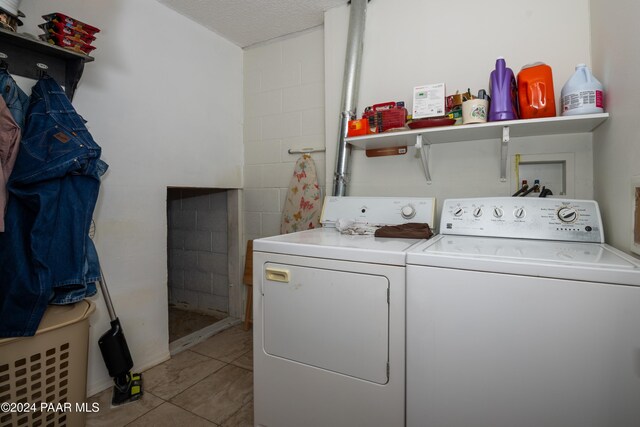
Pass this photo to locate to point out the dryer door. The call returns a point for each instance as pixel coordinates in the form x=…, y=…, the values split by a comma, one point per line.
x=333, y=320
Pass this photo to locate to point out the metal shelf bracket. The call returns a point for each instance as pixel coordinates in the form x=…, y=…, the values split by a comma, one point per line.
x=419, y=141
x=423, y=150
x=504, y=150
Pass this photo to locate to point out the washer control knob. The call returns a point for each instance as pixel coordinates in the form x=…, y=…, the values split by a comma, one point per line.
x=458, y=212
x=477, y=212
x=408, y=212
x=498, y=212
x=567, y=214
x=520, y=213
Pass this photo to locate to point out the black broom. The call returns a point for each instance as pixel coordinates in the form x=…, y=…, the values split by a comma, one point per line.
x=117, y=358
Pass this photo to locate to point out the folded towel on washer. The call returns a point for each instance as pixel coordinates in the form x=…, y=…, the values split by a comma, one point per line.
x=411, y=230
x=349, y=226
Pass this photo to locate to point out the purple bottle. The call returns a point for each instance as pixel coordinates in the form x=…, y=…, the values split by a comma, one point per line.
x=504, y=92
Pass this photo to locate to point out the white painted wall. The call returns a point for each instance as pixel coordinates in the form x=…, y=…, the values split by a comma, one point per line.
x=414, y=42
x=164, y=100
x=284, y=108
x=616, y=144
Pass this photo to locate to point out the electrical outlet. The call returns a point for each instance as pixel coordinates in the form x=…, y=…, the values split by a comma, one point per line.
x=635, y=197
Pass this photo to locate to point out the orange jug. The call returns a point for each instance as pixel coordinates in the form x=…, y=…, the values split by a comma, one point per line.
x=535, y=91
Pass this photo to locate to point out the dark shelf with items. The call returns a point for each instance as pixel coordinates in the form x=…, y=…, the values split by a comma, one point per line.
x=24, y=53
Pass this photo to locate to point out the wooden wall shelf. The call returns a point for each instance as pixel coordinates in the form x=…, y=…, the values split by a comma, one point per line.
x=24, y=52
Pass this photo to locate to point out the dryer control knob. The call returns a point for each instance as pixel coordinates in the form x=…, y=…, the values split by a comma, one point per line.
x=458, y=212
x=477, y=212
x=520, y=213
x=408, y=212
x=498, y=212
x=567, y=214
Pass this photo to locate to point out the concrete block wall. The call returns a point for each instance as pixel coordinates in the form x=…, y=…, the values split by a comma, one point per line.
x=197, y=249
x=283, y=109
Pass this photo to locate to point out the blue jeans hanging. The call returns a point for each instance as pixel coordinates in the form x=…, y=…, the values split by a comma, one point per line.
x=46, y=255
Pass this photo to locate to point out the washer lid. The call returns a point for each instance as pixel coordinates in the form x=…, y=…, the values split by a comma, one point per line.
x=329, y=243
x=568, y=260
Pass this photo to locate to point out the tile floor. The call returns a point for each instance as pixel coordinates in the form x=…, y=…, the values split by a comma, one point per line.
x=210, y=384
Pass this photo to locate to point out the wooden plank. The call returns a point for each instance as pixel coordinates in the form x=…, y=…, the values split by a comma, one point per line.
x=248, y=264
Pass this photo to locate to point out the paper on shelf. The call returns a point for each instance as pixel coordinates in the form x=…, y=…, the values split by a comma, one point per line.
x=428, y=101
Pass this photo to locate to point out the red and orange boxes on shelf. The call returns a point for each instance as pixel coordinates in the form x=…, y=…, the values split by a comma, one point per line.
x=358, y=127
x=379, y=118
x=62, y=30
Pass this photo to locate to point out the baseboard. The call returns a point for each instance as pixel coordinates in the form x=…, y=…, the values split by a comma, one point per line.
x=102, y=385
x=190, y=340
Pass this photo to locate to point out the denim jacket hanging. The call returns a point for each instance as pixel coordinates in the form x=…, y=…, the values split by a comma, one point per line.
x=46, y=255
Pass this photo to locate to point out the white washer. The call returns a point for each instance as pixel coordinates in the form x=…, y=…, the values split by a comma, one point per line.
x=329, y=320
x=519, y=315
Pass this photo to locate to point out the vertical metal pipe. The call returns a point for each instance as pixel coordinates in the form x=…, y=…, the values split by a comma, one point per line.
x=107, y=297
x=350, y=87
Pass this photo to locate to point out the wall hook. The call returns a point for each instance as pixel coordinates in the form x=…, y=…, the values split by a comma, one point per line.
x=42, y=69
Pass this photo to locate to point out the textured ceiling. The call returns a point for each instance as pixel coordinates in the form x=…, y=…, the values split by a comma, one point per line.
x=247, y=22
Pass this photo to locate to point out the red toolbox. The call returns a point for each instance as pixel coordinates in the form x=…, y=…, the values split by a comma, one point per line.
x=385, y=116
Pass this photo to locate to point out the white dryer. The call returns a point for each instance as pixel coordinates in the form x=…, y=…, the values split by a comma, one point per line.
x=519, y=315
x=329, y=320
